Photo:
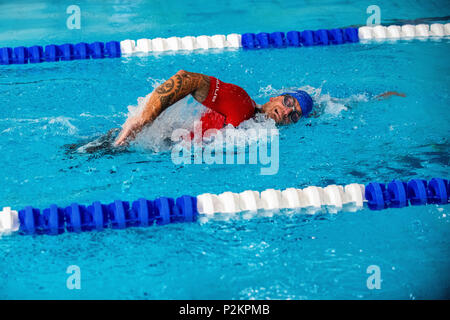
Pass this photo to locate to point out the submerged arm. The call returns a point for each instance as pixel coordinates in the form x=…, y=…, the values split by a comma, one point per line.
x=176, y=88
x=388, y=94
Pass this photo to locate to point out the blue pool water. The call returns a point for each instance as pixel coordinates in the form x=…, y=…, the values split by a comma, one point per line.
x=355, y=139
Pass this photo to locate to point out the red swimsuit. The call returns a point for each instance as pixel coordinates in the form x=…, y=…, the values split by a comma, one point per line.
x=228, y=104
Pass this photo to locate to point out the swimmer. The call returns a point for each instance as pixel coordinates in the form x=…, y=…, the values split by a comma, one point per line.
x=227, y=103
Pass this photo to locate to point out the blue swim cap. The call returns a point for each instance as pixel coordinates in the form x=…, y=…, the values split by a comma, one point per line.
x=304, y=99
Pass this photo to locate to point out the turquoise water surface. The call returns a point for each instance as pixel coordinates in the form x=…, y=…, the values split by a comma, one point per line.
x=355, y=138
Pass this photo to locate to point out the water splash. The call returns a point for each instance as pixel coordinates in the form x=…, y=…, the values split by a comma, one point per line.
x=330, y=106
x=157, y=135
x=55, y=126
x=324, y=103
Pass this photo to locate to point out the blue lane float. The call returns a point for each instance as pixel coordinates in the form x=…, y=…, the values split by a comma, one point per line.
x=249, y=40
x=277, y=39
x=52, y=53
x=321, y=38
x=293, y=39
x=263, y=40
x=81, y=51
x=351, y=35
x=66, y=51
x=336, y=36
x=6, y=55
x=112, y=49
x=20, y=55
x=35, y=54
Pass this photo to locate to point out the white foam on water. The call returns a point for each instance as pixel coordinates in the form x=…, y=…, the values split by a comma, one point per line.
x=64, y=122
x=182, y=115
x=59, y=125
x=251, y=132
x=332, y=106
x=324, y=103
x=157, y=135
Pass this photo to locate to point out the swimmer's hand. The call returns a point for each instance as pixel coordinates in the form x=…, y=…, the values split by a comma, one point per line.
x=389, y=94
x=130, y=129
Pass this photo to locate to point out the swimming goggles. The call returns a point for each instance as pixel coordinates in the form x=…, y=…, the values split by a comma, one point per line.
x=289, y=102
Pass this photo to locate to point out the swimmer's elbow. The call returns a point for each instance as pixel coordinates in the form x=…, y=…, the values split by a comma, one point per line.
x=197, y=83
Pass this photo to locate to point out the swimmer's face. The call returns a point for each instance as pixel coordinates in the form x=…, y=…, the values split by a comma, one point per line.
x=276, y=109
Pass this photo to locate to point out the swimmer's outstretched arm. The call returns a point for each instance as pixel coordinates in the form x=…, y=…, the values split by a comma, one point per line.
x=171, y=91
x=389, y=94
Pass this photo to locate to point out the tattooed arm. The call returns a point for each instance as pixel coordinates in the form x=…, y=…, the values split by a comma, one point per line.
x=171, y=91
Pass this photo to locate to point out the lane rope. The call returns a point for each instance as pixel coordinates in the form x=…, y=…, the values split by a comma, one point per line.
x=248, y=41
x=311, y=200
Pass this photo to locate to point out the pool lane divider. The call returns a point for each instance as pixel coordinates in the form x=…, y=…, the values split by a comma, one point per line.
x=248, y=41
x=161, y=211
x=64, y=52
